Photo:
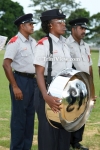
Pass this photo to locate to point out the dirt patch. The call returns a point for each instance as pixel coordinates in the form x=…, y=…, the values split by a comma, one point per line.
x=3, y=119
x=4, y=139
x=35, y=142
x=94, y=123
x=3, y=148
x=8, y=111
x=91, y=132
x=94, y=148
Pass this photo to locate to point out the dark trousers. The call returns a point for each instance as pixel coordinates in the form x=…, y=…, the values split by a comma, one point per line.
x=22, y=114
x=49, y=138
x=76, y=136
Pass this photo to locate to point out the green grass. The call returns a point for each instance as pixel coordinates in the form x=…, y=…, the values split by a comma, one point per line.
x=91, y=136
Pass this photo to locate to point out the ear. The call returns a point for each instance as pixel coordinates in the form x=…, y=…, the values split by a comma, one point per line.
x=50, y=25
x=73, y=29
x=22, y=26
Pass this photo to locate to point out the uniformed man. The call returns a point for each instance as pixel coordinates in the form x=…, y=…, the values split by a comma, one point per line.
x=19, y=57
x=80, y=52
x=53, y=24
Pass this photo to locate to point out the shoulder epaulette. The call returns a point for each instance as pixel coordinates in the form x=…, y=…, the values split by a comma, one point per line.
x=41, y=41
x=13, y=39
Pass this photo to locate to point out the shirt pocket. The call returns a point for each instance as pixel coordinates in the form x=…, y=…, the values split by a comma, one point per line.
x=26, y=57
x=25, y=53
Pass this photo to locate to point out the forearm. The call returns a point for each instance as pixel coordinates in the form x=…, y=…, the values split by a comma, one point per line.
x=53, y=102
x=93, y=90
x=41, y=84
x=40, y=80
x=9, y=73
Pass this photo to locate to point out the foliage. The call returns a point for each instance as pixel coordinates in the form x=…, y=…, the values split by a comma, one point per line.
x=9, y=11
x=78, y=13
x=72, y=10
x=95, y=28
x=65, y=5
x=38, y=34
x=92, y=35
x=95, y=21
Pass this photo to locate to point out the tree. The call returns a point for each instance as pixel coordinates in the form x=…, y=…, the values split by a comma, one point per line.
x=71, y=10
x=38, y=34
x=39, y=6
x=9, y=11
x=95, y=28
x=65, y=5
x=74, y=14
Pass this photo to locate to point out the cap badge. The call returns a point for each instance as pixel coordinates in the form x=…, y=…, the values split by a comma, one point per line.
x=60, y=11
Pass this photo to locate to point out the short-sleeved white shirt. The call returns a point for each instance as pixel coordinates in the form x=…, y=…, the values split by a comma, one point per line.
x=61, y=54
x=21, y=51
x=80, y=54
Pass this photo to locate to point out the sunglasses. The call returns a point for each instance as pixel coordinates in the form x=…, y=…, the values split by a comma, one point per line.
x=60, y=21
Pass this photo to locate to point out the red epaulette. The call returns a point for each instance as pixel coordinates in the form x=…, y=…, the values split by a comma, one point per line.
x=13, y=39
x=41, y=41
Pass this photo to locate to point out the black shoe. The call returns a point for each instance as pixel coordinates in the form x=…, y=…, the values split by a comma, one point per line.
x=78, y=146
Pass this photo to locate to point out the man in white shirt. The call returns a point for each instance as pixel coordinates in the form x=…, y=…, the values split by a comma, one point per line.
x=19, y=69
x=80, y=52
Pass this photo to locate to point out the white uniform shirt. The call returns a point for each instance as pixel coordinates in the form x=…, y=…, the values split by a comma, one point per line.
x=21, y=51
x=61, y=54
x=80, y=54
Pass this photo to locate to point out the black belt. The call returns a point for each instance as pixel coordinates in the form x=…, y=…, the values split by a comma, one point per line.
x=29, y=75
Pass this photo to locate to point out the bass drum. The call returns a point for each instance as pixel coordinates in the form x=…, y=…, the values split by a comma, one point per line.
x=76, y=91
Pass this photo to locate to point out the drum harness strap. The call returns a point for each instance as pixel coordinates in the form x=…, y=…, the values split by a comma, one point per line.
x=49, y=77
x=50, y=61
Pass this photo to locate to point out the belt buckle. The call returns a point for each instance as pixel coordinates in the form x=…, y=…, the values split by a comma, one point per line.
x=34, y=75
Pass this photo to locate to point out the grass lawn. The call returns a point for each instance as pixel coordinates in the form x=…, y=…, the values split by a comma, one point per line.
x=91, y=137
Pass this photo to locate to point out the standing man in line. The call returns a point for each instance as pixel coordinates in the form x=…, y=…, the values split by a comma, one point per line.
x=19, y=57
x=79, y=49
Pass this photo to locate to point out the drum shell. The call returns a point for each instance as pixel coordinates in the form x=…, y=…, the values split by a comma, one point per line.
x=64, y=118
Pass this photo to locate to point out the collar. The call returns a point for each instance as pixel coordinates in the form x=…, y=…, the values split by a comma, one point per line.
x=23, y=37
x=56, y=39
x=72, y=40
